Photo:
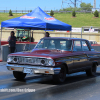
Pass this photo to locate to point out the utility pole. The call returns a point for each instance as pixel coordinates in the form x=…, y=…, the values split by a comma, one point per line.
x=74, y=2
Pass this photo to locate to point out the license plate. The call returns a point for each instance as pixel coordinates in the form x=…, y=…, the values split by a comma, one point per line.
x=27, y=70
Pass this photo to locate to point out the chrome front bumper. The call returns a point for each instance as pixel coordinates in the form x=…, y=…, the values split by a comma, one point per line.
x=33, y=69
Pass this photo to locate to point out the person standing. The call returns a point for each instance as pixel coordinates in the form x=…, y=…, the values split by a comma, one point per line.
x=12, y=42
x=47, y=34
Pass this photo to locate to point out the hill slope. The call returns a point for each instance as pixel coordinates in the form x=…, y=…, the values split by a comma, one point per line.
x=79, y=21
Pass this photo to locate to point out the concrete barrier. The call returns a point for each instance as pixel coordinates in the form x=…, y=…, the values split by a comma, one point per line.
x=38, y=34
x=4, y=52
x=19, y=48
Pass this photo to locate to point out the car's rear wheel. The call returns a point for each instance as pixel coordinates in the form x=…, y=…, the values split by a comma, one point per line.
x=19, y=75
x=61, y=76
x=92, y=70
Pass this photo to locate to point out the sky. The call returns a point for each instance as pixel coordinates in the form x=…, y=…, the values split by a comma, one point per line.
x=44, y=4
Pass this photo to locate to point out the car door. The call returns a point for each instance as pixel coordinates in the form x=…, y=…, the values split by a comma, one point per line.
x=79, y=57
x=86, y=50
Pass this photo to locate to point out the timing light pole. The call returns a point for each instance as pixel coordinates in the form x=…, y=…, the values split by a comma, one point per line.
x=94, y=6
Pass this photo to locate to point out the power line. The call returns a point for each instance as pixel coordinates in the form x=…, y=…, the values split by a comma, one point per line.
x=71, y=2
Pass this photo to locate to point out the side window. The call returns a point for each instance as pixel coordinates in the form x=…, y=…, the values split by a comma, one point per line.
x=77, y=46
x=40, y=44
x=66, y=45
x=63, y=45
x=84, y=46
x=51, y=45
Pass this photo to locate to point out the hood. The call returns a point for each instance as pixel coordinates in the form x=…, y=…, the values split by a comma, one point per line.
x=43, y=53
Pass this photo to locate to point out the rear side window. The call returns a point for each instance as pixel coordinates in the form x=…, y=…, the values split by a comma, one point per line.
x=84, y=46
x=80, y=46
x=77, y=46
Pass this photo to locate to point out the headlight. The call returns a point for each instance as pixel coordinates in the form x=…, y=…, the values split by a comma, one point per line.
x=45, y=62
x=10, y=59
x=15, y=60
x=50, y=62
x=40, y=61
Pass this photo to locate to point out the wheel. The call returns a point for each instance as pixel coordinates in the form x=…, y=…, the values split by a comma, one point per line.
x=61, y=76
x=19, y=75
x=92, y=70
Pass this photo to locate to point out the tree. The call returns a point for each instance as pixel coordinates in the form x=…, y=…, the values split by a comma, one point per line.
x=30, y=10
x=10, y=13
x=85, y=6
x=74, y=13
x=96, y=13
x=70, y=9
x=51, y=13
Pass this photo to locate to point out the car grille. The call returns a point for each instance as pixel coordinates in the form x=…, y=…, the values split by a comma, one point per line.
x=29, y=60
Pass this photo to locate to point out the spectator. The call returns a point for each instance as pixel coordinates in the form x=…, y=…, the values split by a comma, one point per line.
x=47, y=34
x=12, y=42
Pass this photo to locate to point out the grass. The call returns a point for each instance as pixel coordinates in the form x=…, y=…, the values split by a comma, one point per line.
x=82, y=19
x=5, y=16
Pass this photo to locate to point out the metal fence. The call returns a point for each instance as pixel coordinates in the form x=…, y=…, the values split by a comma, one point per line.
x=47, y=11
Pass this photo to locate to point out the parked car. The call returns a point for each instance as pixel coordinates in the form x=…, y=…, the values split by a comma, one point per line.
x=93, y=42
x=56, y=56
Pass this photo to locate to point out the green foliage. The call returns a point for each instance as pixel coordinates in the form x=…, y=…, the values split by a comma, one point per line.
x=30, y=10
x=70, y=9
x=51, y=13
x=74, y=13
x=85, y=6
x=96, y=13
x=10, y=13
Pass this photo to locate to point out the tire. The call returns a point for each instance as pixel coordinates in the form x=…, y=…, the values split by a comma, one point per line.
x=19, y=75
x=92, y=70
x=61, y=76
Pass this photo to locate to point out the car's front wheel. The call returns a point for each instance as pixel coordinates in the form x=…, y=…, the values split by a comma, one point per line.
x=92, y=70
x=61, y=76
x=19, y=75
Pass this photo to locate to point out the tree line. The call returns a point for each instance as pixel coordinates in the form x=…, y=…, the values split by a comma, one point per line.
x=83, y=6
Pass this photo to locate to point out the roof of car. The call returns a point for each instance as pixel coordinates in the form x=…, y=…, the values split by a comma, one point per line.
x=68, y=38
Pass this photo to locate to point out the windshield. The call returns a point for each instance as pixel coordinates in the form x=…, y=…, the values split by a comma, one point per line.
x=22, y=33
x=51, y=44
